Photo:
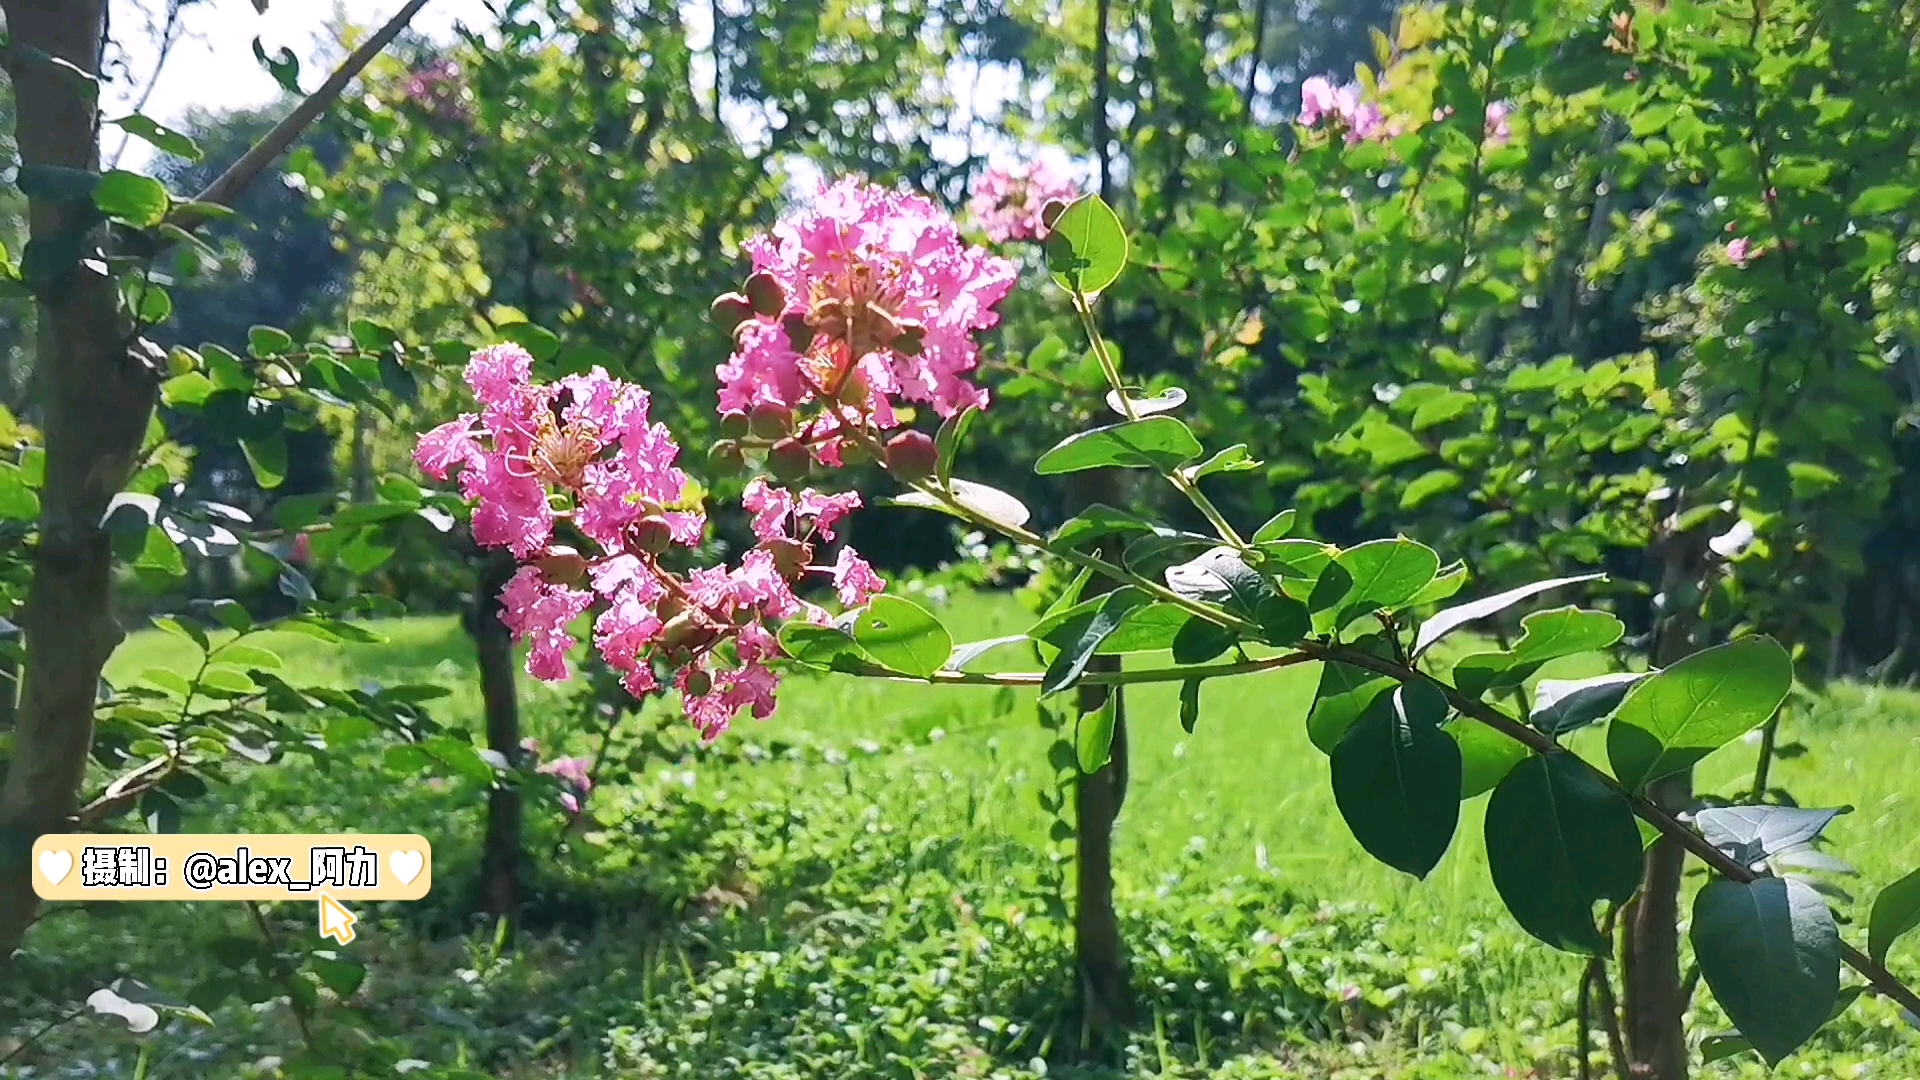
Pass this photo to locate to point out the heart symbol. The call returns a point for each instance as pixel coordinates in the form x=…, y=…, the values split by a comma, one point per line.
x=54, y=865
x=407, y=865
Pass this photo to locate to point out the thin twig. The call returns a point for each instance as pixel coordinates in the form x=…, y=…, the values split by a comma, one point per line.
x=38, y=1035
x=280, y=969
x=230, y=185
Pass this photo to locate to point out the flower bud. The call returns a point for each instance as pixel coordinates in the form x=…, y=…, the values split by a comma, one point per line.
x=652, y=535
x=699, y=683
x=730, y=310
x=765, y=294
x=799, y=330
x=912, y=456
x=770, y=421
x=733, y=425
x=853, y=453
x=686, y=631
x=562, y=566
x=725, y=459
x=789, y=460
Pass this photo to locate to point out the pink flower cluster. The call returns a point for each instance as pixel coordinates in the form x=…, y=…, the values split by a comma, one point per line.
x=1362, y=121
x=582, y=455
x=436, y=88
x=863, y=300
x=576, y=780
x=1741, y=251
x=1008, y=202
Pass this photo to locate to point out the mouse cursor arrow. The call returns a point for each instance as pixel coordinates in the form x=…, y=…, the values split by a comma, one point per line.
x=336, y=921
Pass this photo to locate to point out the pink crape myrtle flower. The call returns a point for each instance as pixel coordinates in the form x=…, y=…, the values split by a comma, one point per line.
x=1741, y=251
x=582, y=456
x=576, y=775
x=878, y=302
x=1321, y=101
x=1008, y=202
x=1499, y=123
x=1317, y=101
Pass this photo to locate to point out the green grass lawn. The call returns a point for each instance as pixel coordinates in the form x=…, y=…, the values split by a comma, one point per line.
x=858, y=887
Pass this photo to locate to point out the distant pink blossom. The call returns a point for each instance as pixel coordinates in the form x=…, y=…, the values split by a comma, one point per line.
x=1317, y=101
x=576, y=776
x=888, y=298
x=1008, y=202
x=1741, y=251
x=1499, y=123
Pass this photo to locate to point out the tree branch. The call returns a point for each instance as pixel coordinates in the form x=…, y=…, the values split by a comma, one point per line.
x=230, y=185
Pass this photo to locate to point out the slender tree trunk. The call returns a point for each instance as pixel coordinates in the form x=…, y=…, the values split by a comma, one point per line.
x=98, y=394
x=1650, y=962
x=1100, y=953
x=501, y=854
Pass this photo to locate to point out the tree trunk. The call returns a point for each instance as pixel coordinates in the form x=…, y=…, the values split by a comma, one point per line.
x=493, y=643
x=1100, y=954
x=1656, y=1029
x=98, y=395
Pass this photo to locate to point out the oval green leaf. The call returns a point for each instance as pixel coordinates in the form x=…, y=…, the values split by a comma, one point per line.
x=1396, y=779
x=903, y=636
x=1156, y=442
x=1698, y=705
x=1770, y=952
x=1087, y=246
x=1559, y=839
x=1895, y=911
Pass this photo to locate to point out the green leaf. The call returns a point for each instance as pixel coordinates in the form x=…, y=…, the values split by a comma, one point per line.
x=1770, y=952
x=951, y=437
x=362, y=556
x=1157, y=442
x=187, y=390
x=1277, y=527
x=371, y=336
x=1165, y=401
x=461, y=757
x=1087, y=246
x=338, y=972
x=1098, y=521
x=250, y=656
x=1672, y=720
x=1486, y=756
x=1544, y=636
x=159, y=135
x=1221, y=576
x=18, y=502
x=228, y=681
x=1093, y=736
x=1077, y=649
x=268, y=341
x=825, y=647
x=1559, y=839
x=1895, y=911
x=1190, y=704
x=903, y=635
x=1345, y=693
x=1396, y=778
x=140, y=201
x=1199, y=641
x=1720, y=1047
x=1385, y=573
x=232, y=615
x=1150, y=628
x=540, y=343
x=1234, y=458
x=1882, y=199
x=1444, y=587
x=1283, y=620
x=1447, y=621
x=268, y=459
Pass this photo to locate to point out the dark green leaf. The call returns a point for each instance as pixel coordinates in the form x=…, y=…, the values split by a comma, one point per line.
x=1150, y=628
x=1093, y=736
x=825, y=647
x=1396, y=778
x=540, y=343
x=56, y=182
x=338, y=972
x=1097, y=521
x=1220, y=576
x=284, y=66
x=903, y=636
x=1895, y=911
x=1453, y=618
x=1078, y=647
x=1283, y=620
x=1233, y=459
x=1672, y=720
x=1199, y=641
x=1770, y=952
x=461, y=757
x=1345, y=693
x=1563, y=705
x=140, y=201
x=1190, y=704
x=1558, y=840
x=231, y=615
x=951, y=437
x=1087, y=247
x=1884, y=199
x=1722, y=1046
x=1157, y=442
